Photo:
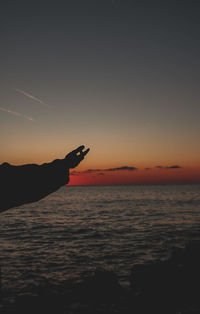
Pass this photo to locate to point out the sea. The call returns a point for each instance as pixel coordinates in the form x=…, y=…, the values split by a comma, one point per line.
x=78, y=229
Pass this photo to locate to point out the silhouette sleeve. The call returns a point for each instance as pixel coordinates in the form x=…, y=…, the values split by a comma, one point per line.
x=30, y=183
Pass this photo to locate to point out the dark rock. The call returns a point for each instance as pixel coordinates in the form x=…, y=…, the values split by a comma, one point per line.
x=171, y=283
x=103, y=286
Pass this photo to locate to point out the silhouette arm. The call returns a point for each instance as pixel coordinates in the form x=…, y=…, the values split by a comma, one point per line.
x=30, y=183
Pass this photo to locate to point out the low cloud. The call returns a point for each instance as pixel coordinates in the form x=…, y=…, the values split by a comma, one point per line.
x=91, y=170
x=121, y=169
x=174, y=167
x=102, y=171
x=98, y=174
x=169, y=167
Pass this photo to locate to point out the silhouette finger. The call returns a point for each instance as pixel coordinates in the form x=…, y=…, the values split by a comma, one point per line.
x=79, y=149
x=85, y=152
x=82, y=154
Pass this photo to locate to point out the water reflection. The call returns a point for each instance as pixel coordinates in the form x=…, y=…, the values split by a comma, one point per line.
x=77, y=229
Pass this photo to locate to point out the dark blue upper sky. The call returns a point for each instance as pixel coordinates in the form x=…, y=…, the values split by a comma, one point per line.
x=111, y=71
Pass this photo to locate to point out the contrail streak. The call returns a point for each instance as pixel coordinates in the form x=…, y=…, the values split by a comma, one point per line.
x=30, y=96
x=17, y=114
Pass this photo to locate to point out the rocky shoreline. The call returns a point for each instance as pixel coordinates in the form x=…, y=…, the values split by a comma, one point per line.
x=166, y=287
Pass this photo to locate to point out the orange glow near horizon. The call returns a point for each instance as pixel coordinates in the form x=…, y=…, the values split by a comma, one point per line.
x=140, y=176
x=146, y=173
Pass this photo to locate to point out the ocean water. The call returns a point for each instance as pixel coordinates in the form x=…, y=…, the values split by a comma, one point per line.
x=77, y=229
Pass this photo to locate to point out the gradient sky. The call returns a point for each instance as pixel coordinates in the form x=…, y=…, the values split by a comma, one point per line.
x=121, y=77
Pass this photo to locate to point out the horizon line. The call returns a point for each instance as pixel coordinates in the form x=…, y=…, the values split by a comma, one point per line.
x=111, y=184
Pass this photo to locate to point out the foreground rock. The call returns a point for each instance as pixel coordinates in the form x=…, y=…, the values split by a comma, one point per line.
x=172, y=285
x=168, y=287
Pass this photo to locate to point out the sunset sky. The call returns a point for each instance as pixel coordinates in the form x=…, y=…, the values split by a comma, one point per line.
x=119, y=76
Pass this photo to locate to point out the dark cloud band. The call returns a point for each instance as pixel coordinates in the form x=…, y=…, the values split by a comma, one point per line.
x=101, y=171
x=168, y=167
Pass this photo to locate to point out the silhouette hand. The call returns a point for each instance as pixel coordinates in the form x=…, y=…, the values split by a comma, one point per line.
x=74, y=158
